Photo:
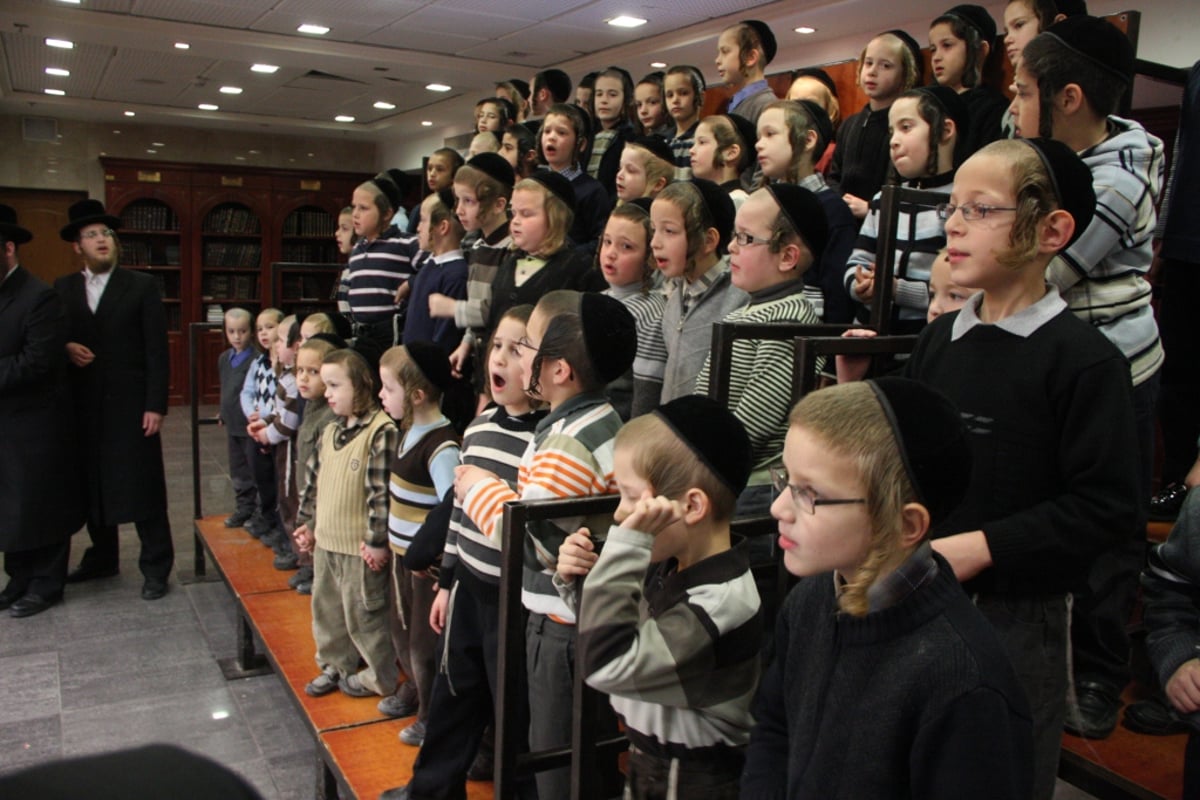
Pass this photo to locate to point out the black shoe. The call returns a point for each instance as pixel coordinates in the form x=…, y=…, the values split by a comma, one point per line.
x=257, y=525
x=11, y=594
x=483, y=768
x=154, y=589
x=276, y=540
x=399, y=793
x=286, y=561
x=1095, y=716
x=32, y=604
x=1164, y=506
x=305, y=575
x=238, y=518
x=87, y=572
x=1153, y=717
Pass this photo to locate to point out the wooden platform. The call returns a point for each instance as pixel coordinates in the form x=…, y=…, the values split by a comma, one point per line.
x=241, y=560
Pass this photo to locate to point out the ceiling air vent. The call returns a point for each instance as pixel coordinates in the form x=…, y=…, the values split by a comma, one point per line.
x=39, y=129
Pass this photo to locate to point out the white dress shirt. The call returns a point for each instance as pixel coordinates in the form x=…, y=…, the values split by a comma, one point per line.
x=95, y=283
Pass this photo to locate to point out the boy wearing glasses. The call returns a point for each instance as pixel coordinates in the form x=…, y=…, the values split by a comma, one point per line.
x=117, y=345
x=779, y=232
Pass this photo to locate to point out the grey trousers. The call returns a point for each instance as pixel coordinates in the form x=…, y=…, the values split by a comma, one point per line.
x=350, y=619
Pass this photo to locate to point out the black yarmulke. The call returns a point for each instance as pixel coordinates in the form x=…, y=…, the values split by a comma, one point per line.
x=978, y=18
x=641, y=202
x=495, y=166
x=806, y=214
x=609, y=335
x=818, y=74
x=821, y=123
x=720, y=208
x=714, y=434
x=432, y=361
x=332, y=338
x=1072, y=180
x=932, y=440
x=763, y=30
x=391, y=190
x=557, y=185
x=656, y=145
x=1099, y=41
x=954, y=106
x=748, y=133
x=915, y=49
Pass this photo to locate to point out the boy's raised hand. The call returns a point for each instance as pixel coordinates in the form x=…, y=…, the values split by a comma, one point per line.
x=576, y=555
x=653, y=514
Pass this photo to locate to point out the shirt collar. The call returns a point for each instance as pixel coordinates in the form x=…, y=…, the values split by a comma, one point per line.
x=1023, y=323
x=814, y=183
x=572, y=172
x=746, y=91
x=98, y=277
x=892, y=589
x=447, y=257
x=9, y=272
x=700, y=285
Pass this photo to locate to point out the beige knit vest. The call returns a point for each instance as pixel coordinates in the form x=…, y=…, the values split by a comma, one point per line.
x=342, y=519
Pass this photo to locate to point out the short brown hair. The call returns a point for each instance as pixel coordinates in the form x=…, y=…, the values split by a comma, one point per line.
x=358, y=372
x=670, y=466
x=1035, y=198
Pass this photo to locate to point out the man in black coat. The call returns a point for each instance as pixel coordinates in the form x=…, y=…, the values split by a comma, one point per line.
x=117, y=344
x=39, y=505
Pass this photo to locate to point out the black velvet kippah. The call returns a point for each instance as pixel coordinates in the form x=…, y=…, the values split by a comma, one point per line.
x=917, y=51
x=714, y=434
x=978, y=18
x=805, y=213
x=334, y=339
x=432, y=361
x=609, y=334
x=821, y=123
x=557, y=185
x=954, y=106
x=1099, y=41
x=747, y=131
x=766, y=36
x=656, y=145
x=391, y=189
x=641, y=202
x=720, y=207
x=1072, y=180
x=495, y=166
x=932, y=440
x=816, y=73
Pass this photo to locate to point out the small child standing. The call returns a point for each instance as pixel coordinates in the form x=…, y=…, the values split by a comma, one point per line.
x=647, y=166
x=743, y=52
x=574, y=345
x=670, y=619
x=467, y=608
x=652, y=118
x=317, y=414
x=258, y=398
x=961, y=41
x=232, y=368
x=683, y=88
x=414, y=376
x=443, y=273
x=344, y=525
x=722, y=149
x=887, y=682
x=346, y=238
x=564, y=136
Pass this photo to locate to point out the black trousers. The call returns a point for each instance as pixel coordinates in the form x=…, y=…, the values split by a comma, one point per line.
x=41, y=571
x=158, y=551
x=1180, y=399
x=262, y=464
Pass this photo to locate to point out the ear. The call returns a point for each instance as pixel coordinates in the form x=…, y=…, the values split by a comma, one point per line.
x=1070, y=100
x=696, y=506
x=500, y=205
x=949, y=131
x=1056, y=230
x=562, y=373
x=986, y=47
x=581, y=144
x=659, y=185
x=791, y=258
x=810, y=142
x=732, y=155
x=914, y=524
x=78, y=250
x=711, y=240
x=417, y=397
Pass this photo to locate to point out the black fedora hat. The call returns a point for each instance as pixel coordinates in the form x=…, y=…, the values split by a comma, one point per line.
x=9, y=229
x=86, y=212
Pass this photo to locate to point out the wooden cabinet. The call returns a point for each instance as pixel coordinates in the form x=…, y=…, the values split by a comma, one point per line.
x=210, y=234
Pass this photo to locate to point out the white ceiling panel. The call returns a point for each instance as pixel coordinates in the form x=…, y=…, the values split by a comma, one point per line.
x=112, y=6
x=343, y=27
x=27, y=57
x=594, y=16
x=401, y=36
x=436, y=21
x=537, y=10
x=211, y=12
x=379, y=11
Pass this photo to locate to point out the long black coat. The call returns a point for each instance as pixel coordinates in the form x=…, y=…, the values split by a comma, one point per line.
x=41, y=497
x=128, y=334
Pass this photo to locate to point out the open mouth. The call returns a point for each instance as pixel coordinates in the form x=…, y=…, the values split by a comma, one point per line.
x=498, y=382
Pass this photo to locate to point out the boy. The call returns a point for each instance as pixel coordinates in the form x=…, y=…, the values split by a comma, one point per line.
x=743, y=52
x=232, y=367
x=564, y=137
x=258, y=396
x=444, y=272
x=277, y=430
x=670, y=623
x=575, y=344
x=1069, y=83
x=779, y=232
x=887, y=682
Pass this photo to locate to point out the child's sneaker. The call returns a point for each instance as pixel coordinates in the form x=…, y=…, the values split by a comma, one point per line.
x=414, y=734
x=352, y=686
x=238, y=518
x=257, y=525
x=323, y=684
x=286, y=561
x=304, y=587
x=397, y=706
x=305, y=574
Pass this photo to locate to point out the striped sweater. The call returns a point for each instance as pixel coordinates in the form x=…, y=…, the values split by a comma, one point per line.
x=760, y=377
x=413, y=487
x=571, y=455
x=377, y=269
x=677, y=650
x=494, y=441
x=688, y=334
x=919, y=236
x=638, y=391
x=1102, y=276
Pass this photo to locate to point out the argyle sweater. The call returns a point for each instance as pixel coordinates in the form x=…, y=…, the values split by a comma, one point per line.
x=571, y=455
x=258, y=392
x=677, y=650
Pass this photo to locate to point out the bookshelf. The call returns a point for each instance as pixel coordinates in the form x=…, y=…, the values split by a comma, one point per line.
x=300, y=288
x=151, y=243
x=231, y=253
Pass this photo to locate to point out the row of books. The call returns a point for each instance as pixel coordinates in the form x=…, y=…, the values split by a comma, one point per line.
x=141, y=254
x=309, y=223
x=224, y=254
x=149, y=217
x=231, y=219
x=310, y=252
x=236, y=287
x=168, y=284
x=306, y=287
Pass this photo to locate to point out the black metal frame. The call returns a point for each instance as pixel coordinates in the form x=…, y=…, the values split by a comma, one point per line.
x=810, y=348
x=195, y=331
x=890, y=200
x=726, y=333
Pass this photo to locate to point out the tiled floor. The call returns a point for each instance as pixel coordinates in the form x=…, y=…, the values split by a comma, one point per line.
x=107, y=670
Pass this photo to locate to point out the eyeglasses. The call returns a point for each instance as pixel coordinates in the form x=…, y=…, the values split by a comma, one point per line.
x=525, y=344
x=107, y=233
x=745, y=240
x=970, y=211
x=804, y=497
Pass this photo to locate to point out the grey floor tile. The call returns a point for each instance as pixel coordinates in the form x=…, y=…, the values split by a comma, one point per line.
x=295, y=774
x=29, y=742
x=29, y=686
x=273, y=720
x=258, y=773
x=98, y=672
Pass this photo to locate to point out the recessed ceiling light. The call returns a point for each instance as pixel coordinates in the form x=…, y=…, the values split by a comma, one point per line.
x=151, y=152
x=426, y=123
x=253, y=152
x=316, y=30
x=343, y=118
x=62, y=44
x=239, y=158
x=158, y=144
x=658, y=64
x=56, y=92
x=384, y=106
x=207, y=107
x=437, y=87
x=625, y=21
x=805, y=29
x=61, y=73
x=231, y=90
x=182, y=45
x=116, y=132
x=73, y=2
x=267, y=69
x=131, y=113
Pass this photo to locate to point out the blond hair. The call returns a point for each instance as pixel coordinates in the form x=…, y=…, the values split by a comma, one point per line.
x=1033, y=189
x=670, y=466
x=656, y=168
x=559, y=217
x=321, y=321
